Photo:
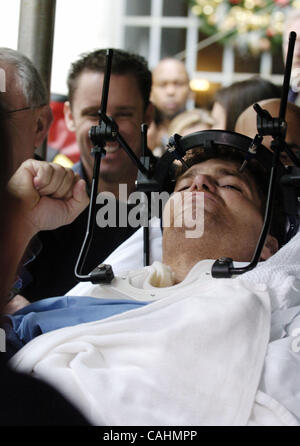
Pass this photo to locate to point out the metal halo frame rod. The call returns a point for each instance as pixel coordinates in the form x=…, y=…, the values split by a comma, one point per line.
x=103, y=273
x=146, y=232
x=112, y=132
x=106, y=130
x=223, y=267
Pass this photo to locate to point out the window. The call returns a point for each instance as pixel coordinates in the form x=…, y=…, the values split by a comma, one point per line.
x=138, y=7
x=137, y=40
x=161, y=28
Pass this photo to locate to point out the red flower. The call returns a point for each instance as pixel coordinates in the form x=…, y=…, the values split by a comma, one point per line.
x=282, y=2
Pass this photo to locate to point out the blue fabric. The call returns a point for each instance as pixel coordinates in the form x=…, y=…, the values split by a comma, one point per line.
x=292, y=95
x=58, y=312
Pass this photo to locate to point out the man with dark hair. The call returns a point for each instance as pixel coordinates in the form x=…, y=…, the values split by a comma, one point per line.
x=129, y=105
x=122, y=63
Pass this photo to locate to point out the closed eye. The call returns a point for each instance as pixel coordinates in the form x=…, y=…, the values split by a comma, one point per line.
x=183, y=188
x=231, y=186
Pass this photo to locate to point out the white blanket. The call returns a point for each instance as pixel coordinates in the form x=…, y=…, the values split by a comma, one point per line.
x=194, y=358
x=281, y=373
x=199, y=355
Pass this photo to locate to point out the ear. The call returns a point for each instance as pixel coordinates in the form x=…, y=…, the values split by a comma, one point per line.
x=69, y=119
x=149, y=114
x=43, y=123
x=270, y=247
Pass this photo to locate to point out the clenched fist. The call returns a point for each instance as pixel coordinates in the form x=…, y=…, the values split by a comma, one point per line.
x=49, y=195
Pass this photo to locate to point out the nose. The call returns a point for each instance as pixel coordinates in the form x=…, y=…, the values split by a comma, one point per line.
x=202, y=182
x=170, y=89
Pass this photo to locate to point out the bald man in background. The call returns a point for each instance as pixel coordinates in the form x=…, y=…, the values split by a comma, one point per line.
x=247, y=125
x=169, y=94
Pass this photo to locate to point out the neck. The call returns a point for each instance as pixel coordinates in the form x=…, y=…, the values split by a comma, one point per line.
x=181, y=267
x=182, y=253
x=165, y=123
x=189, y=255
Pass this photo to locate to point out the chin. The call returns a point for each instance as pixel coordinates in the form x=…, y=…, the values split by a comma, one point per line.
x=171, y=115
x=110, y=175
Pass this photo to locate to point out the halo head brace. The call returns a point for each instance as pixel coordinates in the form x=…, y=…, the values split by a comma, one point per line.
x=211, y=143
x=184, y=152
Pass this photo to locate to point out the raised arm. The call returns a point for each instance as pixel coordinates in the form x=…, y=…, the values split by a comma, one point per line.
x=47, y=196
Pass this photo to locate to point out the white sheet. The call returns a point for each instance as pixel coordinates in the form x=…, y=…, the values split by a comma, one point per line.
x=193, y=358
x=147, y=366
x=281, y=373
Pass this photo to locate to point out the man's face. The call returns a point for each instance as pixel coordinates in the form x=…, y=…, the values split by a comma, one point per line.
x=170, y=88
x=232, y=208
x=125, y=105
x=20, y=125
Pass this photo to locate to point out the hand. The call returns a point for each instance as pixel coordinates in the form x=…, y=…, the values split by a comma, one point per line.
x=49, y=195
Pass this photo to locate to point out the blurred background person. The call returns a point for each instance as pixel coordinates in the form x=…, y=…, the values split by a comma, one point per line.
x=292, y=23
x=186, y=122
x=60, y=139
x=247, y=125
x=191, y=121
x=169, y=94
x=230, y=102
x=156, y=134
